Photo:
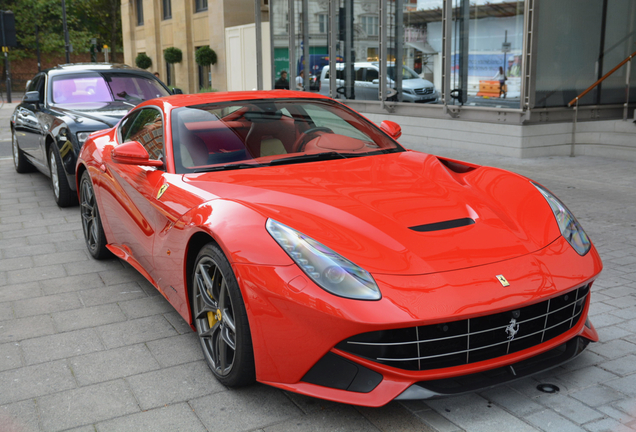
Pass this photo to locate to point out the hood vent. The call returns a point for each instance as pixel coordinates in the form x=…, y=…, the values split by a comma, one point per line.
x=438, y=226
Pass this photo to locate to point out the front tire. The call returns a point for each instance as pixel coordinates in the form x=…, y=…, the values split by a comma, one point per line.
x=21, y=163
x=91, y=221
x=221, y=320
x=64, y=196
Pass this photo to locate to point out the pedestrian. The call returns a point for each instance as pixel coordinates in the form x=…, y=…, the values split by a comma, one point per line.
x=282, y=83
x=501, y=77
x=300, y=81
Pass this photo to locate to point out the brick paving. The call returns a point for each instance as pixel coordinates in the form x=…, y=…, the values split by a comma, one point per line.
x=91, y=346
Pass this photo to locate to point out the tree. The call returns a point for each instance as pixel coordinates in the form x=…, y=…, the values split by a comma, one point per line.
x=205, y=56
x=143, y=61
x=172, y=55
x=86, y=19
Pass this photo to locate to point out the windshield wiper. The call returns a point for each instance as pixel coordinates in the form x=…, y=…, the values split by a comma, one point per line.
x=228, y=167
x=308, y=158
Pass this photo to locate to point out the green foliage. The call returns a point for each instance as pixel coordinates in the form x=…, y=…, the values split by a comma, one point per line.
x=205, y=56
x=172, y=55
x=207, y=90
x=86, y=19
x=143, y=61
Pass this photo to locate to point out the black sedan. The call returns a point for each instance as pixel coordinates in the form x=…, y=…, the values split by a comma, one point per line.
x=60, y=109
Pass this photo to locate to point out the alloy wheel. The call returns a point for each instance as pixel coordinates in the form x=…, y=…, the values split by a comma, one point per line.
x=89, y=215
x=214, y=316
x=16, y=150
x=55, y=179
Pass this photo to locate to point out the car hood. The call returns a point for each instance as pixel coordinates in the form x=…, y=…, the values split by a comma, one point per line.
x=107, y=113
x=367, y=209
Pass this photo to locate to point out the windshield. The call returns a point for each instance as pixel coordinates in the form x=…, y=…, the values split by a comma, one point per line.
x=407, y=73
x=245, y=134
x=95, y=87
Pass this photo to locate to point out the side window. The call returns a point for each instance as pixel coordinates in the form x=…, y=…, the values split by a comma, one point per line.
x=372, y=74
x=360, y=74
x=147, y=129
x=125, y=125
x=33, y=84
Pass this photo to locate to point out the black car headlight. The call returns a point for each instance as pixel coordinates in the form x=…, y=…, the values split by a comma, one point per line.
x=329, y=270
x=569, y=226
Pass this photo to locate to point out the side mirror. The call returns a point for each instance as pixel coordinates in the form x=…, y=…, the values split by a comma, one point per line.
x=391, y=128
x=32, y=97
x=133, y=153
x=375, y=81
x=177, y=91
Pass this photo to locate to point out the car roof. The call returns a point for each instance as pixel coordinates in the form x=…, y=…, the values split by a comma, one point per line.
x=176, y=101
x=94, y=67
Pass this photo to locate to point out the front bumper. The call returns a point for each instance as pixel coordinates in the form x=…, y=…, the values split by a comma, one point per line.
x=295, y=324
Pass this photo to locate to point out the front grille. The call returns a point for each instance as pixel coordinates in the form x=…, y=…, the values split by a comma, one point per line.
x=423, y=91
x=472, y=340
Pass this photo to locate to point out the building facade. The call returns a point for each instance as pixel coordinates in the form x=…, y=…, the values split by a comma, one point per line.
x=151, y=26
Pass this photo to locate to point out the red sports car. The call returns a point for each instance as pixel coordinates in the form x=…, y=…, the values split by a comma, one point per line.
x=311, y=252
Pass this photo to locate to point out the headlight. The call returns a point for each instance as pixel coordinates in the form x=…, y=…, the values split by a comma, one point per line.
x=409, y=91
x=82, y=137
x=569, y=226
x=326, y=268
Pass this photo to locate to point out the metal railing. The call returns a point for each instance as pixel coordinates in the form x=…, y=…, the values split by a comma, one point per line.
x=575, y=101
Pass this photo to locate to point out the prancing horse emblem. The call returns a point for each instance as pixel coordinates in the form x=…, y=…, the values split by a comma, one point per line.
x=512, y=329
x=162, y=189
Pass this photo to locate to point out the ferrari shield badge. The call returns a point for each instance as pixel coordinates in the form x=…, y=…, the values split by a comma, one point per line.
x=504, y=282
x=163, y=188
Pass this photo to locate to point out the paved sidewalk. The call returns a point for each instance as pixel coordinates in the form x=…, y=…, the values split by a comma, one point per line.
x=91, y=346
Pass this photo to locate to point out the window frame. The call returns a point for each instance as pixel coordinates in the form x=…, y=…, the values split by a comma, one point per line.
x=200, y=6
x=139, y=11
x=166, y=9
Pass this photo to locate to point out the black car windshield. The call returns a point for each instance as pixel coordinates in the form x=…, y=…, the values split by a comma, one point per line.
x=254, y=133
x=104, y=87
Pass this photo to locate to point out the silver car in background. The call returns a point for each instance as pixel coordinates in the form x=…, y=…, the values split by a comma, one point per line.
x=367, y=83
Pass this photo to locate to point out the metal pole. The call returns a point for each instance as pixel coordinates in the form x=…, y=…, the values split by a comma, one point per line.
x=5, y=49
x=259, y=45
x=292, y=44
x=383, y=51
x=447, y=23
x=66, y=41
x=348, y=54
x=399, y=46
x=37, y=47
x=272, y=49
x=629, y=71
x=576, y=114
x=306, y=62
x=333, y=54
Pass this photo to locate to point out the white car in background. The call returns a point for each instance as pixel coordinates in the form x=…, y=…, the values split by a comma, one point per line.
x=367, y=83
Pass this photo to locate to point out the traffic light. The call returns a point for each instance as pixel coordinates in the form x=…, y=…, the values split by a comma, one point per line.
x=7, y=24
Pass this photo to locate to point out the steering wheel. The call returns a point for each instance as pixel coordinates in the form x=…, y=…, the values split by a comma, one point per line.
x=303, y=140
x=318, y=129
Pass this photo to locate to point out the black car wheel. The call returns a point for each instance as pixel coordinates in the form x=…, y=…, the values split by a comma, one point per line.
x=91, y=222
x=220, y=319
x=22, y=165
x=64, y=196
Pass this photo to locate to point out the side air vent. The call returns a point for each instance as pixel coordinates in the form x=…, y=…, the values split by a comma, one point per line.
x=438, y=226
x=456, y=166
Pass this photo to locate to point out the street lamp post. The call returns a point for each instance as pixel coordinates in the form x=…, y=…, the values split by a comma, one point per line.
x=67, y=44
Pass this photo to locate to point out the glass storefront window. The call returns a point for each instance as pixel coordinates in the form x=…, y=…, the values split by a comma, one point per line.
x=486, y=52
x=568, y=48
x=618, y=44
